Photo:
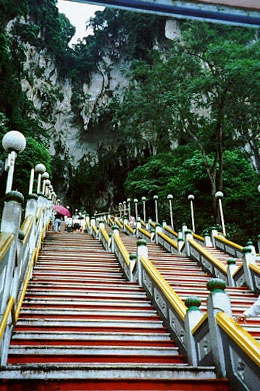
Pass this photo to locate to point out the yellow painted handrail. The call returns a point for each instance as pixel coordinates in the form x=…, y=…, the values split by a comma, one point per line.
x=255, y=268
x=6, y=240
x=146, y=233
x=172, y=297
x=94, y=228
x=26, y=281
x=38, y=214
x=200, y=322
x=117, y=222
x=168, y=240
x=196, y=236
x=9, y=308
x=152, y=224
x=171, y=231
x=229, y=243
x=27, y=226
x=122, y=249
x=105, y=234
x=240, y=336
x=130, y=228
x=209, y=256
x=111, y=220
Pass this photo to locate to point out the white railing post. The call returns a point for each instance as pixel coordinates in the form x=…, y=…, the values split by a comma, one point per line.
x=115, y=230
x=192, y=317
x=158, y=228
x=207, y=240
x=218, y=301
x=214, y=232
x=187, y=236
x=142, y=251
x=231, y=268
x=132, y=259
x=248, y=257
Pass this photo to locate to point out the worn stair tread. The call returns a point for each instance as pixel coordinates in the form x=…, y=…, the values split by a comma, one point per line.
x=87, y=303
x=88, y=323
x=116, y=350
x=118, y=335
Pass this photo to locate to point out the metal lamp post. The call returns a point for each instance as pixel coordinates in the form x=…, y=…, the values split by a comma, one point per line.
x=13, y=142
x=136, y=208
x=47, y=186
x=191, y=199
x=144, y=211
x=120, y=209
x=124, y=208
x=155, y=197
x=129, y=207
x=39, y=169
x=45, y=176
x=170, y=198
x=219, y=195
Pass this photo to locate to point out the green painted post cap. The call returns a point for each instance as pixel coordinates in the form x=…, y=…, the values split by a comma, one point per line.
x=216, y=285
x=14, y=196
x=141, y=242
x=32, y=196
x=246, y=250
x=193, y=303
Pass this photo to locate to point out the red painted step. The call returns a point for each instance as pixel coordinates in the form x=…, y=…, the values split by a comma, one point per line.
x=117, y=385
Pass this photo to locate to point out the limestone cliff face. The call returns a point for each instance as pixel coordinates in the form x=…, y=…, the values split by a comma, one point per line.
x=87, y=151
x=67, y=122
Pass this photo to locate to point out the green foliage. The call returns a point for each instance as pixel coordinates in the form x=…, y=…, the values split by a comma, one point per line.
x=204, y=90
x=33, y=154
x=182, y=173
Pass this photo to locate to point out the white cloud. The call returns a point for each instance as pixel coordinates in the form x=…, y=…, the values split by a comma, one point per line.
x=78, y=14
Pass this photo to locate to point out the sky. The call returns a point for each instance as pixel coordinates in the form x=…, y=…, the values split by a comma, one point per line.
x=78, y=14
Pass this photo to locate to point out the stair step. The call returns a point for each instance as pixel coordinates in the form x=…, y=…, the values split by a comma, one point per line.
x=44, y=358
x=86, y=350
x=91, y=323
x=90, y=303
x=102, y=342
x=96, y=336
x=137, y=372
x=85, y=293
x=64, y=315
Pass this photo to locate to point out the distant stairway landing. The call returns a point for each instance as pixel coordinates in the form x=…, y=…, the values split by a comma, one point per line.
x=84, y=327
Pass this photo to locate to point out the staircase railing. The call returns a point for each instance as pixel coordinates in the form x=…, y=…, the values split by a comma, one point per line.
x=18, y=254
x=170, y=306
x=166, y=242
x=104, y=238
x=123, y=257
x=143, y=233
x=228, y=246
x=207, y=261
x=241, y=354
x=129, y=230
x=255, y=276
x=213, y=338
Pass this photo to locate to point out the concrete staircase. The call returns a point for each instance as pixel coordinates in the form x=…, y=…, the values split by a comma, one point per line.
x=188, y=279
x=82, y=326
